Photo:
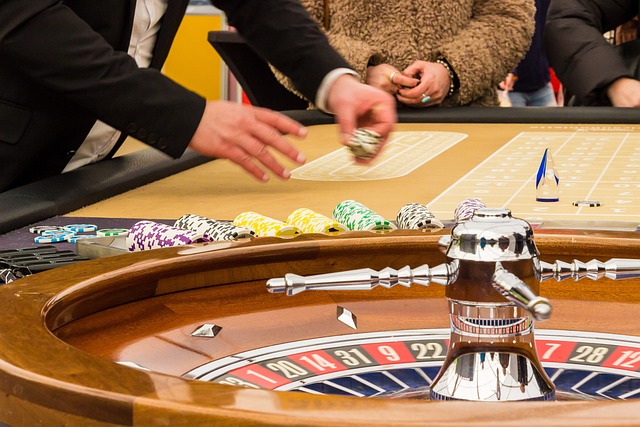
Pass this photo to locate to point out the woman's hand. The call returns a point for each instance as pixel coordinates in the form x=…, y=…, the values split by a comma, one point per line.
x=433, y=87
x=508, y=82
x=388, y=78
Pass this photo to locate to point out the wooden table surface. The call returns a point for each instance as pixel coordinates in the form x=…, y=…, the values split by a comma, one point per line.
x=45, y=378
x=221, y=190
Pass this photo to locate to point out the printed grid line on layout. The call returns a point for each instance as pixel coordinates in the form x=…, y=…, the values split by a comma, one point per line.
x=403, y=154
x=559, y=144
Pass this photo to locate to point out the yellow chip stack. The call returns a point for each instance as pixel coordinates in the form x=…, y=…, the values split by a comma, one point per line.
x=309, y=221
x=264, y=226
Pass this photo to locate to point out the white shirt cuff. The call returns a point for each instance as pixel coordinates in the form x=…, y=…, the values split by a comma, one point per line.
x=327, y=82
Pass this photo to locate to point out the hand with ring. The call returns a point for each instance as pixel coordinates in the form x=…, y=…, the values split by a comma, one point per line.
x=432, y=88
x=388, y=78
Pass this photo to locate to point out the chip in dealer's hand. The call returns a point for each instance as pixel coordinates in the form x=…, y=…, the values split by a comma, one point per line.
x=364, y=143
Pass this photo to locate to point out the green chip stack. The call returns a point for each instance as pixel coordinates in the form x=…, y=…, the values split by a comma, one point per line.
x=357, y=216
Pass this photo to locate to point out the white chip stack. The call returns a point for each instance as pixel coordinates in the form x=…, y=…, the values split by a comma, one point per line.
x=211, y=229
x=364, y=143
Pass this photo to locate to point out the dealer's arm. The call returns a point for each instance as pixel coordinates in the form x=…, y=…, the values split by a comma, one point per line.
x=52, y=46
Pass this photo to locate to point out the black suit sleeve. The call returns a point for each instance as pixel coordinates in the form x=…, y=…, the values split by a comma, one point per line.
x=48, y=42
x=577, y=50
x=285, y=35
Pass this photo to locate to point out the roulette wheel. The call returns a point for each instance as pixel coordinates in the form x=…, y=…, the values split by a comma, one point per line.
x=191, y=336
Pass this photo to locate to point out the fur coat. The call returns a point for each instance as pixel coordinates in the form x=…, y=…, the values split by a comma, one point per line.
x=483, y=40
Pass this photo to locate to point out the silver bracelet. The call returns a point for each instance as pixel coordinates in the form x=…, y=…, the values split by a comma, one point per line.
x=451, y=76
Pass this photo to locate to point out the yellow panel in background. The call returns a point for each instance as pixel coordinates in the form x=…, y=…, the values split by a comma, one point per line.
x=192, y=61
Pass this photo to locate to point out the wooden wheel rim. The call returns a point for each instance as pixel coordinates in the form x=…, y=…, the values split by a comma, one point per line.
x=42, y=376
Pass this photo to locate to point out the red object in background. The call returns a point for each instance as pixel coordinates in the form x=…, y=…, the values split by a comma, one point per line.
x=554, y=81
x=245, y=100
x=557, y=88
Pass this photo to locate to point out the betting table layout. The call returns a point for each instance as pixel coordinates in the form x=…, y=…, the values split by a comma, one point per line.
x=437, y=165
x=594, y=164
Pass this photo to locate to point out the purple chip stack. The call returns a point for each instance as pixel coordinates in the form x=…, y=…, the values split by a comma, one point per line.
x=466, y=208
x=146, y=235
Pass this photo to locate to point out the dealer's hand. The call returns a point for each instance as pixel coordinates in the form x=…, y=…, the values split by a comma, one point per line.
x=358, y=105
x=246, y=135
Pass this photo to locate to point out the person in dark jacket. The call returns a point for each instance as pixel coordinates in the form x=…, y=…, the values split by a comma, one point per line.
x=584, y=61
x=77, y=77
x=530, y=83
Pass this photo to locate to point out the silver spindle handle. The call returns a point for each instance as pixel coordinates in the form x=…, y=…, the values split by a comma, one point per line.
x=363, y=279
x=517, y=292
x=615, y=269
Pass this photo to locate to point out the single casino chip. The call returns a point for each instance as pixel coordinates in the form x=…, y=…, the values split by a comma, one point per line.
x=51, y=239
x=309, y=221
x=81, y=228
x=590, y=203
x=364, y=143
x=466, y=208
x=264, y=226
x=357, y=216
x=213, y=230
x=73, y=238
x=108, y=232
x=416, y=216
x=146, y=235
x=57, y=233
x=39, y=229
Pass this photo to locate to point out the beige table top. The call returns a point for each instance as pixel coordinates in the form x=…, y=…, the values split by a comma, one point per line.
x=221, y=190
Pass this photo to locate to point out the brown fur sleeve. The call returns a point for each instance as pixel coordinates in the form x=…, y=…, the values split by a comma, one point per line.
x=491, y=45
x=357, y=53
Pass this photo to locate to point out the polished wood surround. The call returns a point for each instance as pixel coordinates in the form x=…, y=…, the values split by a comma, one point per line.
x=63, y=331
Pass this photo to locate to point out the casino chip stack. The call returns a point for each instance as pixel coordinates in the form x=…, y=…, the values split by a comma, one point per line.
x=264, y=226
x=112, y=232
x=364, y=143
x=309, y=221
x=416, y=216
x=466, y=208
x=68, y=233
x=357, y=216
x=212, y=230
x=152, y=235
x=39, y=229
x=50, y=233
